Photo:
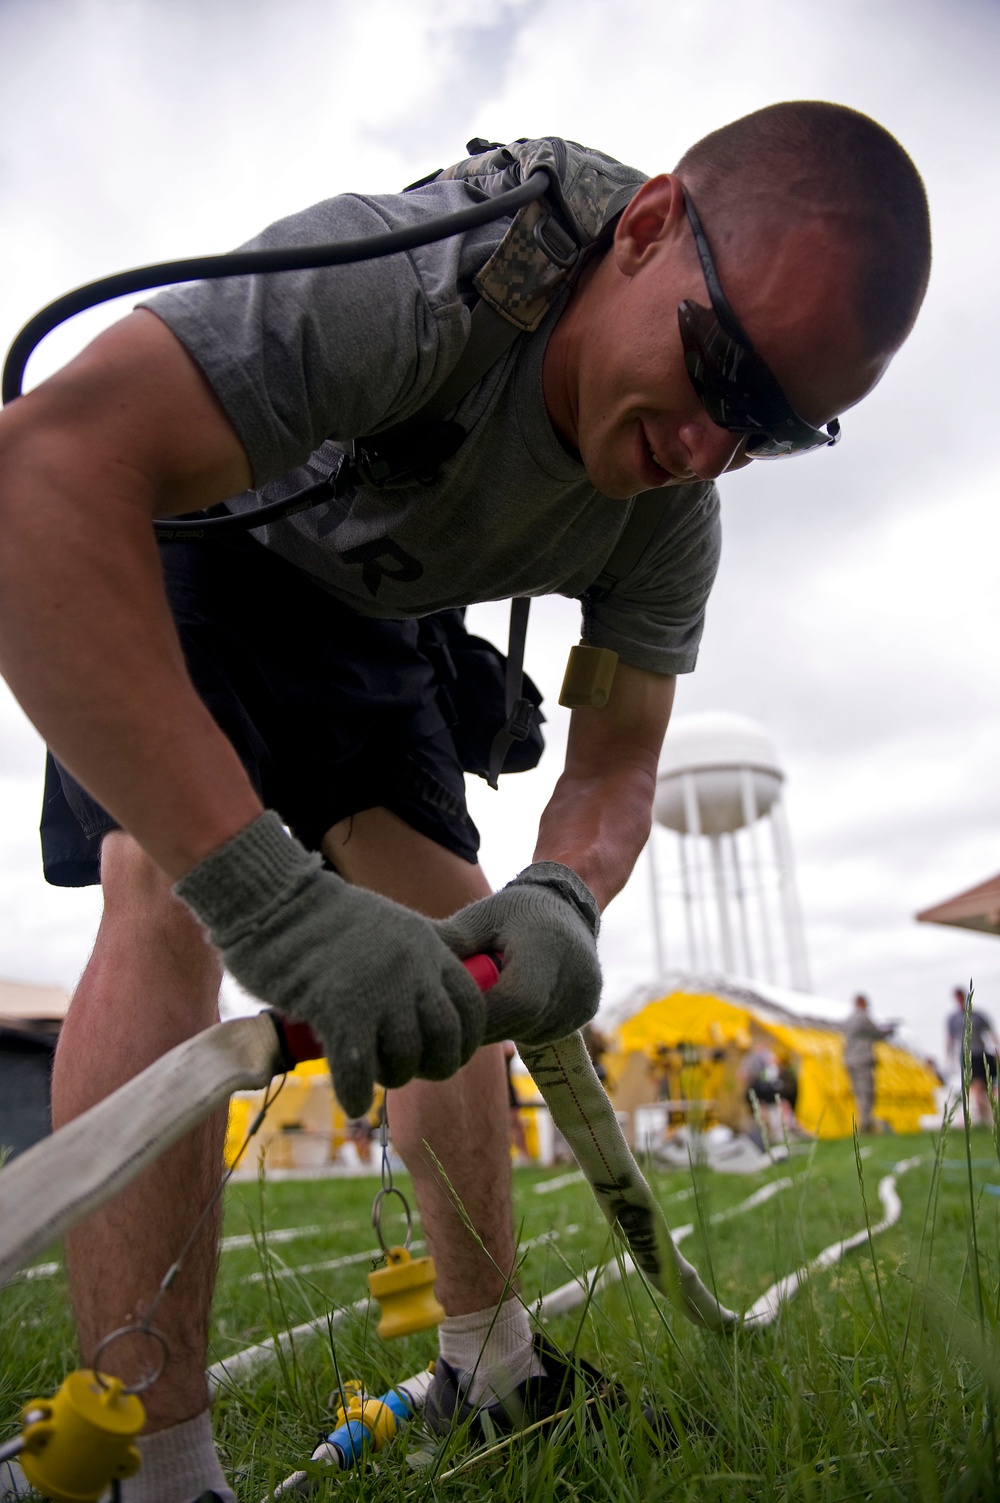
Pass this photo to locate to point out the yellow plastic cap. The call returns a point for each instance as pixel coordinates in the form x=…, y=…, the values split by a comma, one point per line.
x=81, y=1441
x=405, y=1290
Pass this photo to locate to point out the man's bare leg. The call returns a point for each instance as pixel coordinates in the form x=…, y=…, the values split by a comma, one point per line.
x=980, y=1101
x=462, y=1122
x=151, y=983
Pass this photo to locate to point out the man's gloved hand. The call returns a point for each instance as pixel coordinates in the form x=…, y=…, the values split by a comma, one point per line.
x=376, y=982
x=545, y=925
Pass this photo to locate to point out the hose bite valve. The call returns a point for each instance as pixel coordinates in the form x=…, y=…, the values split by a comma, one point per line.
x=77, y=1443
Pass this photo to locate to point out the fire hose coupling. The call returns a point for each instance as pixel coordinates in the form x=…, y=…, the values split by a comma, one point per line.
x=369, y=1423
x=366, y=1423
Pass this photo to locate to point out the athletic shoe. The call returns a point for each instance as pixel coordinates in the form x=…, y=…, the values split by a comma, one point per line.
x=536, y=1399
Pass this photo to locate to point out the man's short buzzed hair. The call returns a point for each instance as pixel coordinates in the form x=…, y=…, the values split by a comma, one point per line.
x=824, y=158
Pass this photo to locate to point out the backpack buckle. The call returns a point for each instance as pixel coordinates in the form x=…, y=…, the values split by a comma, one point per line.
x=521, y=720
x=414, y=451
x=556, y=242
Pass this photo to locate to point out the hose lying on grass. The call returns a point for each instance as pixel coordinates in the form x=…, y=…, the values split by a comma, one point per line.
x=567, y=1080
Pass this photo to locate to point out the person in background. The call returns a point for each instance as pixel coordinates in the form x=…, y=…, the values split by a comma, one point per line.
x=983, y=1048
x=359, y=1133
x=518, y=1141
x=598, y=1045
x=861, y=1033
x=774, y=1084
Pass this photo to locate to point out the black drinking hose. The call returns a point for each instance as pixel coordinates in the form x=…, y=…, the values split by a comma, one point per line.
x=255, y=263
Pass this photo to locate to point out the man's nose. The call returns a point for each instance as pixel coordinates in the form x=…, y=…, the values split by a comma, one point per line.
x=710, y=448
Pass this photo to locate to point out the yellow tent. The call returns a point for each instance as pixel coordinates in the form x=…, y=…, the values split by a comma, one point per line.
x=303, y=1128
x=718, y=1027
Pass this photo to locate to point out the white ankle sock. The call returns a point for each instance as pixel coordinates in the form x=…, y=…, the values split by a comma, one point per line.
x=178, y=1465
x=495, y=1348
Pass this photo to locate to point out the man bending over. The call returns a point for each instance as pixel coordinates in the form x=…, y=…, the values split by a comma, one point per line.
x=734, y=309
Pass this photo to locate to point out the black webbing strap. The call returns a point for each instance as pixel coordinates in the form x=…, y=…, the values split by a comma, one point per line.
x=637, y=533
x=643, y=519
x=490, y=336
x=520, y=711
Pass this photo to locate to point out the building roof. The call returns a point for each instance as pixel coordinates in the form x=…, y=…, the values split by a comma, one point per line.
x=978, y=908
x=23, y=1002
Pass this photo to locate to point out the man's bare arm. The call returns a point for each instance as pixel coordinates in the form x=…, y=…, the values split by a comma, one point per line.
x=544, y=922
x=600, y=813
x=128, y=431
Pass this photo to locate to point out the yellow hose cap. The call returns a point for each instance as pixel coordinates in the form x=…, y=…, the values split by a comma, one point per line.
x=405, y=1290
x=80, y=1441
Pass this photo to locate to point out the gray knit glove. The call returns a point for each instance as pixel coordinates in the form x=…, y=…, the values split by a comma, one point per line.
x=545, y=925
x=376, y=983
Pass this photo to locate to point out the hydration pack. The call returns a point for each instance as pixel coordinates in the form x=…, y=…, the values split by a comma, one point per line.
x=544, y=248
x=558, y=222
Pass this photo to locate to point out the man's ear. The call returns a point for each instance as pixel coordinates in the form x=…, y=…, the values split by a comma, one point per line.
x=654, y=215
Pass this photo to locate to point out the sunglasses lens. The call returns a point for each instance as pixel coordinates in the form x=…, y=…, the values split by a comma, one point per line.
x=738, y=391
x=773, y=446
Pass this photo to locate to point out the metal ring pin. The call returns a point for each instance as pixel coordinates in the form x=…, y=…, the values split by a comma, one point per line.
x=137, y=1330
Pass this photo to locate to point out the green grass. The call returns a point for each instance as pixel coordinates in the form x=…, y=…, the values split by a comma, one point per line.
x=880, y=1380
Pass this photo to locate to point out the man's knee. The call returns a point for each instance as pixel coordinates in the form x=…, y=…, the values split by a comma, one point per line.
x=141, y=913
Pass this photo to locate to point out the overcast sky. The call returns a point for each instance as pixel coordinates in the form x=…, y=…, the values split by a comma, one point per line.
x=855, y=612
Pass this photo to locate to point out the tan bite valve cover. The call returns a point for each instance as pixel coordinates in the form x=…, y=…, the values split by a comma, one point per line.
x=590, y=673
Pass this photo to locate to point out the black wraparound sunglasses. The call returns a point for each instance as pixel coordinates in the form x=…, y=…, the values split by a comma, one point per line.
x=733, y=384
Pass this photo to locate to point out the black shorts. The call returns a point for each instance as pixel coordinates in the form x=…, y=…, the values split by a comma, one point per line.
x=330, y=712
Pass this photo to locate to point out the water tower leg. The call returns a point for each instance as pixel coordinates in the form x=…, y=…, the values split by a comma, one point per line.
x=750, y=817
x=794, y=926
x=692, y=939
x=722, y=903
x=734, y=848
x=692, y=818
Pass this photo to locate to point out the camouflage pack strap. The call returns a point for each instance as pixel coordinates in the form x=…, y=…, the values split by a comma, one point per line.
x=540, y=252
x=539, y=255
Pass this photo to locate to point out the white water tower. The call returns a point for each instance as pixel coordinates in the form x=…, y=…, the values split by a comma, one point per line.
x=724, y=893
